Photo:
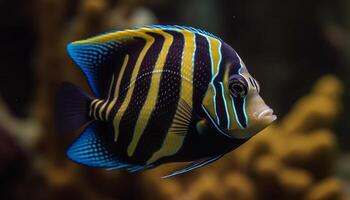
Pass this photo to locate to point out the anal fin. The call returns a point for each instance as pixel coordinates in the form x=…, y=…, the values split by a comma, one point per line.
x=91, y=149
x=96, y=60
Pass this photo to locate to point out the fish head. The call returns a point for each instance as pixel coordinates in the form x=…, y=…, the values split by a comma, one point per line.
x=232, y=102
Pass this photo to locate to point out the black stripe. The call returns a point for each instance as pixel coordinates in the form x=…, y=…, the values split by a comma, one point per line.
x=251, y=82
x=256, y=85
x=141, y=88
x=239, y=106
x=133, y=52
x=220, y=106
x=97, y=108
x=93, y=105
x=201, y=80
x=168, y=97
x=109, y=116
x=201, y=73
x=112, y=87
x=229, y=55
x=113, y=57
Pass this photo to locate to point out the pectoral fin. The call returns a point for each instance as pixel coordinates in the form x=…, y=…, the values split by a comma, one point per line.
x=202, y=126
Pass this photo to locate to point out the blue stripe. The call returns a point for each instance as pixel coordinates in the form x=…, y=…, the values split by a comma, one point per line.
x=244, y=100
x=213, y=122
x=214, y=76
x=178, y=27
x=194, y=51
x=212, y=79
x=245, y=111
x=234, y=110
x=163, y=27
x=226, y=108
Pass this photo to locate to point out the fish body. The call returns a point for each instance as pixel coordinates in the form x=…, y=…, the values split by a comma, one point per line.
x=161, y=94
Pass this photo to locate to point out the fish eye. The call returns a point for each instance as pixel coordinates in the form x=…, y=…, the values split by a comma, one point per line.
x=238, y=86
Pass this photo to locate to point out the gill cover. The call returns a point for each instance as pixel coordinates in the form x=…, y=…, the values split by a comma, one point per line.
x=225, y=101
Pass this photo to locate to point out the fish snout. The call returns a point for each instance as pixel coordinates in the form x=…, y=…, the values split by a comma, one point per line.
x=265, y=115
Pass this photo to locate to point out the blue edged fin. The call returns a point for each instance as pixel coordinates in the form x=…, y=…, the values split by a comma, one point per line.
x=94, y=55
x=92, y=150
x=71, y=108
x=194, y=165
x=179, y=27
x=96, y=61
x=163, y=27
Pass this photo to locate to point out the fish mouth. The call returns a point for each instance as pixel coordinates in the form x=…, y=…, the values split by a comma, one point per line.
x=266, y=114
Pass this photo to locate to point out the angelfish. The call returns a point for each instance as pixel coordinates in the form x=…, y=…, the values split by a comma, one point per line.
x=161, y=94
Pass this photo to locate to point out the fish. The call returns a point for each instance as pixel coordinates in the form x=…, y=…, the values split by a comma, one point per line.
x=160, y=94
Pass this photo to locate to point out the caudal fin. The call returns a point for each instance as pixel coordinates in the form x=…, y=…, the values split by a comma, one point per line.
x=72, y=108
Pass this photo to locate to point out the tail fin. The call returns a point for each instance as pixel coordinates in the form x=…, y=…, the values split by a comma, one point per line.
x=72, y=108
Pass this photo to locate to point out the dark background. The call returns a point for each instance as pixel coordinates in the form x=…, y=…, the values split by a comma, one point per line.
x=286, y=45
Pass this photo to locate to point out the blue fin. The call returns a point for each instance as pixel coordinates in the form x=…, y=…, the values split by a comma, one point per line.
x=164, y=27
x=96, y=61
x=94, y=58
x=71, y=108
x=194, y=165
x=92, y=150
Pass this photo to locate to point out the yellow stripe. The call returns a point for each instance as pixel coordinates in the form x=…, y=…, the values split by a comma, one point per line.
x=152, y=95
x=215, y=53
x=123, y=107
x=117, y=87
x=108, y=97
x=92, y=106
x=215, y=48
x=101, y=109
x=173, y=142
x=119, y=36
x=115, y=36
x=95, y=108
x=233, y=123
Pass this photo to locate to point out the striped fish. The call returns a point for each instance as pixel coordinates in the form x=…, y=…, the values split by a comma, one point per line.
x=160, y=94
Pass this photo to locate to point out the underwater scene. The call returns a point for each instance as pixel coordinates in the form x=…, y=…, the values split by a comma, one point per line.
x=175, y=100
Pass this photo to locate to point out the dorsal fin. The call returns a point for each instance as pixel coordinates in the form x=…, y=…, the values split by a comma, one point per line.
x=98, y=56
x=96, y=61
x=162, y=27
x=178, y=27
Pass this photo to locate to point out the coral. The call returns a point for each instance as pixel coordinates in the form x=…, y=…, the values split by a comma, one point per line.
x=328, y=189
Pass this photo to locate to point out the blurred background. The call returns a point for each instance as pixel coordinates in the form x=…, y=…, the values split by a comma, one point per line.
x=298, y=50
